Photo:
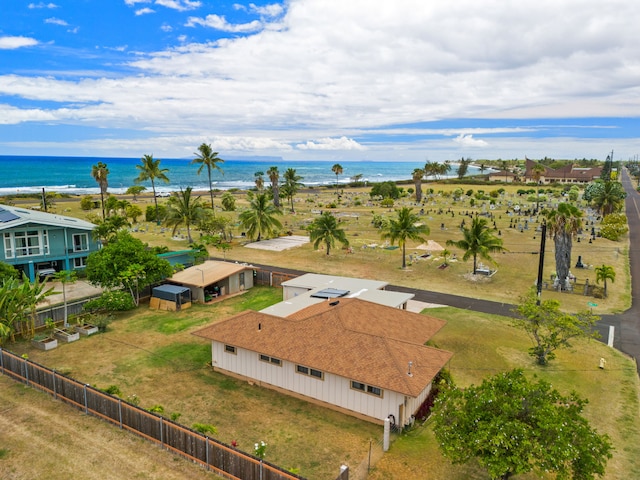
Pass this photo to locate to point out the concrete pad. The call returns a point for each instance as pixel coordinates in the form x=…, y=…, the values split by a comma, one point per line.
x=416, y=306
x=279, y=244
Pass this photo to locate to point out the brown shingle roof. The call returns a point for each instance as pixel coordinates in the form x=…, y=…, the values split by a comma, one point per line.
x=355, y=339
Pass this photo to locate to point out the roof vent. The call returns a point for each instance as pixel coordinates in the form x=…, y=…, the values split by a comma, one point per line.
x=409, y=372
x=334, y=303
x=259, y=326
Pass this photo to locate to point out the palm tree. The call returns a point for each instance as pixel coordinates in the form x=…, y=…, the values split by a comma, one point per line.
x=206, y=157
x=274, y=176
x=291, y=185
x=337, y=169
x=405, y=227
x=609, y=198
x=324, y=229
x=259, y=179
x=478, y=239
x=260, y=217
x=562, y=224
x=416, y=176
x=150, y=170
x=100, y=172
x=536, y=171
x=183, y=209
x=604, y=273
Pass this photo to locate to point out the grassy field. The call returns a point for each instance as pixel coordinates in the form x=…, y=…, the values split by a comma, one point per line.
x=517, y=266
x=154, y=356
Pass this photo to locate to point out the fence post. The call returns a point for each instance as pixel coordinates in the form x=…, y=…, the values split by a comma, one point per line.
x=55, y=391
x=161, y=432
x=86, y=406
x=206, y=446
x=26, y=372
x=120, y=412
x=2, y=360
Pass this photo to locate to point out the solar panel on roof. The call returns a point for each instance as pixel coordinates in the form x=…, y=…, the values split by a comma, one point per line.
x=7, y=216
x=330, y=293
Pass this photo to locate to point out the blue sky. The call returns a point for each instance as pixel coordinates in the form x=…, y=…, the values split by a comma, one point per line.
x=406, y=80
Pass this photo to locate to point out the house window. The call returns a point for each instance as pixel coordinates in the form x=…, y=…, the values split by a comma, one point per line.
x=26, y=244
x=363, y=387
x=312, y=372
x=230, y=349
x=80, y=262
x=273, y=360
x=80, y=242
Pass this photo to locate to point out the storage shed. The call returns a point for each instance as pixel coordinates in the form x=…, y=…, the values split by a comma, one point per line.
x=170, y=297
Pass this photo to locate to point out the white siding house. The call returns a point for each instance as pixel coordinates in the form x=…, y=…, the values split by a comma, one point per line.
x=359, y=357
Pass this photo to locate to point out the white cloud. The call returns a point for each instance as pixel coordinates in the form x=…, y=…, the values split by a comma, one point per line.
x=11, y=43
x=180, y=5
x=218, y=22
x=42, y=5
x=144, y=11
x=272, y=10
x=342, y=143
x=166, y=28
x=56, y=21
x=467, y=140
x=340, y=71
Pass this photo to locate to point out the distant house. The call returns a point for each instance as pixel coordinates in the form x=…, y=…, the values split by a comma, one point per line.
x=213, y=279
x=39, y=243
x=502, y=176
x=355, y=356
x=566, y=174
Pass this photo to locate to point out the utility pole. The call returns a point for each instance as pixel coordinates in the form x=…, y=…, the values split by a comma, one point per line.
x=543, y=240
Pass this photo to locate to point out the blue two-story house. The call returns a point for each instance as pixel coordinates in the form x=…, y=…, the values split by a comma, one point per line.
x=39, y=243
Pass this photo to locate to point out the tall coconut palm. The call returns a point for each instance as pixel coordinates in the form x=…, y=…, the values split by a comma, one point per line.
x=324, y=230
x=604, y=273
x=291, y=185
x=150, y=170
x=274, y=177
x=478, y=240
x=417, y=176
x=260, y=217
x=206, y=157
x=100, y=172
x=406, y=226
x=562, y=224
x=337, y=169
x=183, y=209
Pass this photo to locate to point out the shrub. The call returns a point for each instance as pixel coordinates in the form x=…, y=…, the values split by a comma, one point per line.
x=113, y=390
x=157, y=409
x=387, y=202
x=204, y=428
x=614, y=226
x=86, y=203
x=111, y=301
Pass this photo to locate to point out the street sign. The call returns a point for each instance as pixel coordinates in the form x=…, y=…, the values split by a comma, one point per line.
x=591, y=304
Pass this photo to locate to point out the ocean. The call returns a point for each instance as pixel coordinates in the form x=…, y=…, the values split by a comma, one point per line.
x=30, y=174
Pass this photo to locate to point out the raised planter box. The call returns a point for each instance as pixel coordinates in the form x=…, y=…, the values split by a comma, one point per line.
x=66, y=337
x=45, y=343
x=86, y=329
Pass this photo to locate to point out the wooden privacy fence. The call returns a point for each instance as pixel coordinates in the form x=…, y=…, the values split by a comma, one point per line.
x=272, y=279
x=216, y=456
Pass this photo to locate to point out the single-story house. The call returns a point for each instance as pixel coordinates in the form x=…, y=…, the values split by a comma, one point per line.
x=213, y=278
x=565, y=174
x=355, y=356
x=40, y=243
x=502, y=176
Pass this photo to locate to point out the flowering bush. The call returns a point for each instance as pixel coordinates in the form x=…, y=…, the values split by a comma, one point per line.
x=260, y=449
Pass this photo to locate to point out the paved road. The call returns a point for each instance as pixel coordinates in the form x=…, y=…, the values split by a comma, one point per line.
x=627, y=324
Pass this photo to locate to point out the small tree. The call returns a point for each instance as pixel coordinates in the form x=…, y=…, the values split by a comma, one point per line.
x=325, y=230
x=477, y=240
x=406, y=226
x=551, y=329
x=604, y=273
x=511, y=426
